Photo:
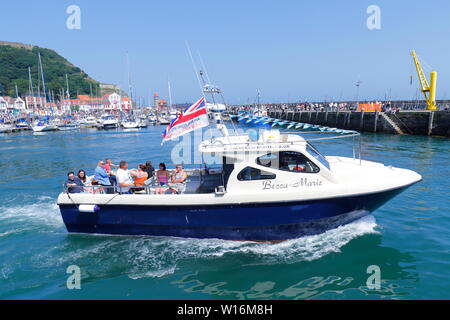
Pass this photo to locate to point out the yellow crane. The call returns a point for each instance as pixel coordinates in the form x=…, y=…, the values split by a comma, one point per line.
x=429, y=90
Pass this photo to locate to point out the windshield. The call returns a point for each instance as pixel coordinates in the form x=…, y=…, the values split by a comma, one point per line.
x=316, y=154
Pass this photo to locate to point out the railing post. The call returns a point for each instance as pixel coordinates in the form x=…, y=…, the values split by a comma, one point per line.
x=430, y=123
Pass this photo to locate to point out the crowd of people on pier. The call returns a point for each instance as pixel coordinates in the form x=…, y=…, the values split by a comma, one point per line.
x=110, y=178
x=390, y=107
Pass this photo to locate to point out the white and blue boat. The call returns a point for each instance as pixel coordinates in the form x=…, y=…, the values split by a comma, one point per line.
x=269, y=188
x=108, y=121
x=43, y=125
x=68, y=124
x=22, y=124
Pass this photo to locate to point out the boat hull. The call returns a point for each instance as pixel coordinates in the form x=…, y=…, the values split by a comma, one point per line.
x=44, y=128
x=68, y=128
x=246, y=222
x=110, y=126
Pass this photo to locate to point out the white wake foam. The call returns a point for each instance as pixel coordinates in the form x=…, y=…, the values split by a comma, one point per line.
x=42, y=212
x=143, y=257
x=157, y=257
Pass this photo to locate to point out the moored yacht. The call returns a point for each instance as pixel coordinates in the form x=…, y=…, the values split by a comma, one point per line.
x=108, y=121
x=89, y=122
x=163, y=119
x=67, y=124
x=130, y=124
x=22, y=124
x=152, y=118
x=43, y=125
x=143, y=122
x=6, y=127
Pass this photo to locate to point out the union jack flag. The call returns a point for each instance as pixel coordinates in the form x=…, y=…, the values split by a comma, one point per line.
x=192, y=118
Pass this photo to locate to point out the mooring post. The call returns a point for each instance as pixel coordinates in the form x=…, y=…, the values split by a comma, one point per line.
x=376, y=122
x=430, y=123
x=310, y=115
x=326, y=117
x=361, y=121
x=349, y=120
x=317, y=116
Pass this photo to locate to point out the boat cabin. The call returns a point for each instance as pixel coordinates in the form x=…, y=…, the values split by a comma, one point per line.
x=270, y=162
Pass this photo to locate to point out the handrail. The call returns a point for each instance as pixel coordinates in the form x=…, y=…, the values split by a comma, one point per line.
x=403, y=124
x=291, y=143
x=355, y=134
x=98, y=188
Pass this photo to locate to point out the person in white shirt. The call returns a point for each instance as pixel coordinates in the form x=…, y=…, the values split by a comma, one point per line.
x=124, y=179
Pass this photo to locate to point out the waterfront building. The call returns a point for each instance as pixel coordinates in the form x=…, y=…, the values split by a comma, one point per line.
x=35, y=103
x=19, y=104
x=11, y=105
x=158, y=103
x=85, y=103
x=3, y=105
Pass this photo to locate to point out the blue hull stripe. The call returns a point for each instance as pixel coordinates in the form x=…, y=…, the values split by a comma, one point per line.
x=257, y=222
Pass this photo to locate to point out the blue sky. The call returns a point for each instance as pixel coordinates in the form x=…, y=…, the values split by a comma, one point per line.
x=290, y=50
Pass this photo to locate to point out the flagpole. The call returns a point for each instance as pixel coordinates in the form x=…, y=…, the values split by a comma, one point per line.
x=198, y=78
x=195, y=70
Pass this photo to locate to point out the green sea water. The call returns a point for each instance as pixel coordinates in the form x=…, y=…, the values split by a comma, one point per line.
x=408, y=238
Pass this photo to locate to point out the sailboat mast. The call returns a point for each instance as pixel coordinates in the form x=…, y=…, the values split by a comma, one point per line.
x=39, y=86
x=42, y=75
x=170, y=94
x=259, y=102
x=130, y=88
x=67, y=87
x=30, y=80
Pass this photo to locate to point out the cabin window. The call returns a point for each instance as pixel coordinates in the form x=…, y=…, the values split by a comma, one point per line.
x=250, y=173
x=317, y=155
x=288, y=161
x=228, y=168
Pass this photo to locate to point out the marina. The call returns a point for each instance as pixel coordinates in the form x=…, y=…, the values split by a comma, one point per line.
x=406, y=231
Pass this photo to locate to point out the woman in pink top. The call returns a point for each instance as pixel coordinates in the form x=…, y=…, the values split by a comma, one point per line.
x=108, y=165
x=163, y=179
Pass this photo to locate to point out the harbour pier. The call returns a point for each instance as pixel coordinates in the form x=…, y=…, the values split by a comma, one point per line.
x=431, y=123
x=392, y=117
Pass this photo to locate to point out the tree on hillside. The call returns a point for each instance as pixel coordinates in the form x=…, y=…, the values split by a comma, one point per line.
x=14, y=64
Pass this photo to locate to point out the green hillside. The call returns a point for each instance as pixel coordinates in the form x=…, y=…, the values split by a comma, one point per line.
x=14, y=63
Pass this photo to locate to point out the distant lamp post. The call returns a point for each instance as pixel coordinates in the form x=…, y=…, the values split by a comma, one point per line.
x=358, y=84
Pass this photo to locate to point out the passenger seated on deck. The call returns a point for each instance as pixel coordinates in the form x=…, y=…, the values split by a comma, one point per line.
x=178, y=180
x=102, y=177
x=74, y=184
x=124, y=178
x=140, y=176
x=149, y=168
x=163, y=178
x=87, y=181
x=108, y=165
